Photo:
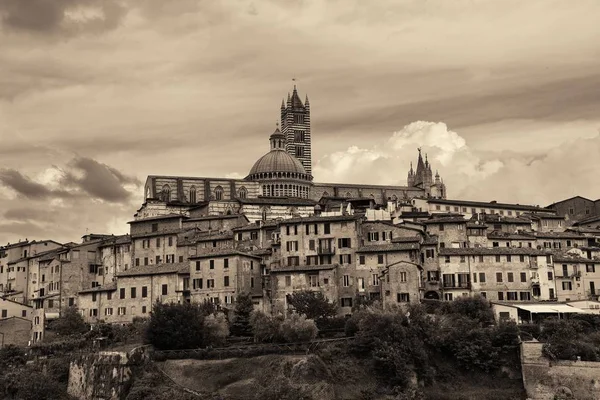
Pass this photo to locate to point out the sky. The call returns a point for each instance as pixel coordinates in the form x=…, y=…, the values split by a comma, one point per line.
x=502, y=95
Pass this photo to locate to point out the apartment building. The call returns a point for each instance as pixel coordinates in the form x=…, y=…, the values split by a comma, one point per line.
x=577, y=278
x=221, y=276
x=497, y=273
x=135, y=292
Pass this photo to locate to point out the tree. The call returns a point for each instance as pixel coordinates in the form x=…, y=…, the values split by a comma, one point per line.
x=314, y=305
x=69, y=323
x=265, y=328
x=177, y=326
x=297, y=328
x=241, y=320
x=216, y=329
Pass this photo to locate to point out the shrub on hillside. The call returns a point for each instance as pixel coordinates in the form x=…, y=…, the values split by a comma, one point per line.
x=12, y=357
x=297, y=328
x=314, y=305
x=475, y=308
x=69, y=323
x=216, y=329
x=265, y=328
x=178, y=326
x=241, y=317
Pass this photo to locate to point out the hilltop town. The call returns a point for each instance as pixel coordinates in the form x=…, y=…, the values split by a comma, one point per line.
x=276, y=232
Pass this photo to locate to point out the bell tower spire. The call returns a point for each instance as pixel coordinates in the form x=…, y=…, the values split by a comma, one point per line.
x=295, y=126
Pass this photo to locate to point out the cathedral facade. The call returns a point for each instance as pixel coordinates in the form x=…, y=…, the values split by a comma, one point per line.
x=280, y=183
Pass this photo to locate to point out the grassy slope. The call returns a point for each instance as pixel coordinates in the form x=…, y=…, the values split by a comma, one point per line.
x=349, y=377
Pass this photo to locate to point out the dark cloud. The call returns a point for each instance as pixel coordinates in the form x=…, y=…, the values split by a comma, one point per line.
x=26, y=187
x=99, y=180
x=57, y=16
x=83, y=177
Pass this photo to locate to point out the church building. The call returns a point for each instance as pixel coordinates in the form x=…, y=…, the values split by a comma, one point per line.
x=280, y=183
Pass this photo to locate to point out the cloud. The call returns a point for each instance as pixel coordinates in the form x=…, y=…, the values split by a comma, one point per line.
x=65, y=17
x=564, y=171
x=82, y=177
x=98, y=180
x=26, y=187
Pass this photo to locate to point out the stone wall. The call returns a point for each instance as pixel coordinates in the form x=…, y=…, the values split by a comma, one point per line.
x=543, y=380
x=105, y=375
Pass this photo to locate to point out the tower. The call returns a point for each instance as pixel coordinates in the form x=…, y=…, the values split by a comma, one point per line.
x=295, y=126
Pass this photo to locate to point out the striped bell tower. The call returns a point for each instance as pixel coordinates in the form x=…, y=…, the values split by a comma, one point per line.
x=295, y=124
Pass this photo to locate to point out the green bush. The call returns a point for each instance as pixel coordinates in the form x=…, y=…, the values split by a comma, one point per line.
x=266, y=328
x=241, y=318
x=69, y=323
x=297, y=328
x=178, y=326
x=215, y=329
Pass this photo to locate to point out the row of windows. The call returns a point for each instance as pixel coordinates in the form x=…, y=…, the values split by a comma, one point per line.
x=481, y=259
x=145, y=243
x=108, y=311
x=313, y=229
x=169, y=259
x=324, y=244
x=4, y=313
x=165, y=194
x=210, y=283
x=385, y=236
x=474, y=210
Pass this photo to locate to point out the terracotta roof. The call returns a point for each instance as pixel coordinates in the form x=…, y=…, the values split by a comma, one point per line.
x=333, y=218
x=156, y=269
x=430, y=239
x=492, y=251
x=482, y=204
x=304, y=268
x=584, y=230
x=567, y=258
x=388, y=248
x=444, y=220
x=594, y=218
x=117, y=240
x=253, y=227
x=158, y=218
x=509, y=236
x=161, y=233
x=476, y=225
x=222, y=253
x=559, y=235
x=407, y=239
x=2, y=298
x=570, y=198
x=109, y=287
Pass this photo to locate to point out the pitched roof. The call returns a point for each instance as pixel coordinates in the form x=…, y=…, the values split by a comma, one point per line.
x=568, y=258
x=482, y=204
x=304, y=268
x=384, y=248
x=216, y=217
x=569, y=199
x=156, y=269
x=594, y=218
x=332, y=218
x=509, y=236
x=445, y=220
x=253, y=227
x=492, y=251
x=222, y=253
x=559, y=235
x=430, y=240
x=109, y=287
x=158, y=218
x=161, y=233
x=407, y=239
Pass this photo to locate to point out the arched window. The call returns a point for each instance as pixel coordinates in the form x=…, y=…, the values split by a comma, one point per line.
x=218, y=193
x=348, y=194
x=193, y=194
x=243, y=193
x=325, y=194
x=395, y=198
x=166, y=193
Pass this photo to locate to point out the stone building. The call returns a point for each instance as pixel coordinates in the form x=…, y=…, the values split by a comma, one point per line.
x=221, y=276
x=497, y=273
x=135, y=292
x=15, y=331
x=576, y=209
x=577, y=277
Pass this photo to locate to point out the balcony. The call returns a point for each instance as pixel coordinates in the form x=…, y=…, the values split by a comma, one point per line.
x=325, y=251
x=457, y=285
x=535, y=281
x=576, y=274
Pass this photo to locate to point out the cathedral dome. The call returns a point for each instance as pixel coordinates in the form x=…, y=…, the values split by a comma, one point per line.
x=277, y=160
